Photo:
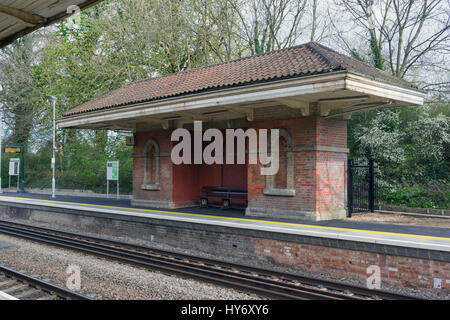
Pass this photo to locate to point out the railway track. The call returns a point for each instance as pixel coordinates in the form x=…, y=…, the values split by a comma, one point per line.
x=18, y=286
x=263, y=282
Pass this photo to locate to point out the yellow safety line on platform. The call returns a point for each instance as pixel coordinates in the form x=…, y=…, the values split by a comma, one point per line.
x=239, y=219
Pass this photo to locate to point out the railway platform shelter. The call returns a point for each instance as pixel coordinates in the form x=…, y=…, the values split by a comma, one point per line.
x=308, y=92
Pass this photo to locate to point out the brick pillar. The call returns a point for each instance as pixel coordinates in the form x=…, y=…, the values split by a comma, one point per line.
x=317, y=191
x=155, y=194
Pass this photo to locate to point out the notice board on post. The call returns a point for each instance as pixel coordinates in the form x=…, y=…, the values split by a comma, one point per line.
x=112, y=174
x=14, y=164
x=14, y=170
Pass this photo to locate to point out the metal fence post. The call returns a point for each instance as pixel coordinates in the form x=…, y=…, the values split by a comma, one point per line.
x=349, y=189
x=371, y=187
x=22, y=169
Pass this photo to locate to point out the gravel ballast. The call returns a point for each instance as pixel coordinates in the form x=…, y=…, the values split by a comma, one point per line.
x=114, y=280
x=402, y=219
x=104, y=279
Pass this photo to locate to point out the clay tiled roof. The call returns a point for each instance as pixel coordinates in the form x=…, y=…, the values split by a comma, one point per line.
x=307, y=59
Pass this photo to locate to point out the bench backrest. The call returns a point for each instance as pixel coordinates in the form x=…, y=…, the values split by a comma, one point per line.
x=224, y=189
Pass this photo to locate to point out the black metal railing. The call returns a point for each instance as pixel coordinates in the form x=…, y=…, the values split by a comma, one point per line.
x=362, y=186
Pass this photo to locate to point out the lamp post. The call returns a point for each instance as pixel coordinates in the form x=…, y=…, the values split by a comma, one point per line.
x=54, y=142
x=1, y=137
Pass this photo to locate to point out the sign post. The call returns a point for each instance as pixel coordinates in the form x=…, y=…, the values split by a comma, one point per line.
x=112, y=174
x=18, y=150
x=1, y=134
x=14, y=166
x=54, y=99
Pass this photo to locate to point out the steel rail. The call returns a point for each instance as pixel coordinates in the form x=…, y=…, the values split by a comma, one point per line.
x=28, y=286
x=262, y=281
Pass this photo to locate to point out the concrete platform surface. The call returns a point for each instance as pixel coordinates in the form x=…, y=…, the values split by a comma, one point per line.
x=5, y=245
x=5, y=296
x=430, y=238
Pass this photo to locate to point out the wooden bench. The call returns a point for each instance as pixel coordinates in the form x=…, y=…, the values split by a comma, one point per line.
x=226, y=194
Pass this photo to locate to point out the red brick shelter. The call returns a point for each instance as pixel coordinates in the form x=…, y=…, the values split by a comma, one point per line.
x=308, y=92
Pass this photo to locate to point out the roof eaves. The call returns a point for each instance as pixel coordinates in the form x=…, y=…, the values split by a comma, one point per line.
x=198, y=92
x=403, y=84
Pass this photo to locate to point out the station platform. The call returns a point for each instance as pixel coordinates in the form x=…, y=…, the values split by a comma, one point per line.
x=5, y=296
x=407, y=257
x=414, y=237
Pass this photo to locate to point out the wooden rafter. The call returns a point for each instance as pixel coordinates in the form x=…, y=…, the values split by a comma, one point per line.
x=162, y=122
x=248, y=112
x=121, y=125
x=193, y=116
x=29, y=19
x=346, y=112
x=303, y=106
x=341, y=103
x=28, y=22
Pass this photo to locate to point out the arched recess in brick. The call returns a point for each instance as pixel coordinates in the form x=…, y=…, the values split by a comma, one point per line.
x=151, y=165
x=282, y=184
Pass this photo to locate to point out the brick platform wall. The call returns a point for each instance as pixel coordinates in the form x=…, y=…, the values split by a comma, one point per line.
x=267, y=250
x=397, y=271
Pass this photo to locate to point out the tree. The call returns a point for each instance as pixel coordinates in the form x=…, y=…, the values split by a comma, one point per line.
x=215, y=24
x=320, y=26
x=402, y=34
x=269, y=24
x=19, y=96
x=116, y=43
x=409, y=39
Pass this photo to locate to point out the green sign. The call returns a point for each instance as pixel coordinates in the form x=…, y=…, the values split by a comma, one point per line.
x=112, y=170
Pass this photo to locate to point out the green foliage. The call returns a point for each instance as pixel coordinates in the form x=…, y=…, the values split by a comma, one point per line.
x=84, y=167
x=419, y=196
x=410, y=146
x=262, y=45
x=377, y=57
x=19, y=95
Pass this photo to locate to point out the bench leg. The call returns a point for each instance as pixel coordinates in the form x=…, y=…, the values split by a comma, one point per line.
x=225, y=203
x=203, y=202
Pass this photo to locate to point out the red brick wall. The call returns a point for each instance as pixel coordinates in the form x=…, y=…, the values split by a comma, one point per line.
x=395, y=270
x=185, y=185
x=181, y=185
x=331, y=132
x=330, y=181
x=319, y=176
x=165, y=178
x=331, y=166
x=281, y=178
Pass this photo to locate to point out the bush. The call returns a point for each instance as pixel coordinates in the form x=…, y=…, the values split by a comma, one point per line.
x=82, y=166
x=433, y=196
